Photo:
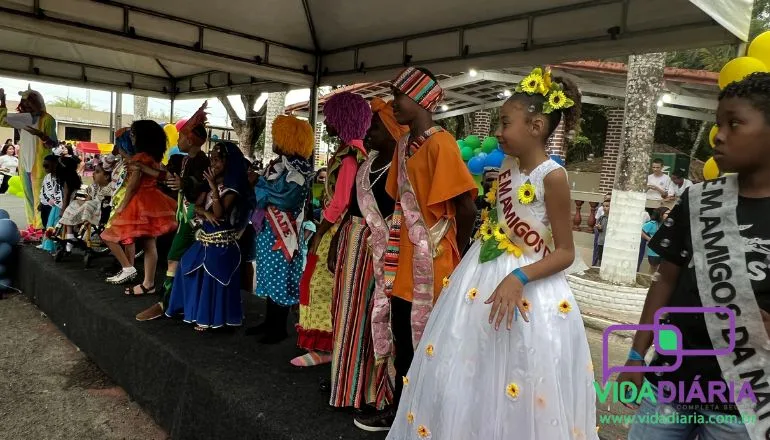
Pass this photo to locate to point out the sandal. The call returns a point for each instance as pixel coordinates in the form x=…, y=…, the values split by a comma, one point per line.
x=200, y=328
x=125, y=275
x=131, y=291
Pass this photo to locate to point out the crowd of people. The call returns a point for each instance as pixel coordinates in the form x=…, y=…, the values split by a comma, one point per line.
x=475, y=317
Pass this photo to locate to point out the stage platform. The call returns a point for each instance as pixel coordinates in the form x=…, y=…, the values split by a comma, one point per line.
x=195, y=385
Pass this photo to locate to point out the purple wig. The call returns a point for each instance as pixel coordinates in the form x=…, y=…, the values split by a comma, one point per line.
x=349, y=114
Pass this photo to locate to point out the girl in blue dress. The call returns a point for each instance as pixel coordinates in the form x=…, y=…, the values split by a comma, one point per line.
x=281, y=193
x=207, y=284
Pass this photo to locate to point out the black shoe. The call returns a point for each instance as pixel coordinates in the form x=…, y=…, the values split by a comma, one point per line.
x=377, y=422
x=365, y=411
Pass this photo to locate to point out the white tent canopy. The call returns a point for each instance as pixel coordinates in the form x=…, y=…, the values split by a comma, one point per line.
x=181, y=48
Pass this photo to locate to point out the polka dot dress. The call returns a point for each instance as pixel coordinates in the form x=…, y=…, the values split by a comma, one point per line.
x=277, y=278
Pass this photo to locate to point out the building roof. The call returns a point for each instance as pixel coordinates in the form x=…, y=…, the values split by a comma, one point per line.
x=690, y=93
x=191, y=47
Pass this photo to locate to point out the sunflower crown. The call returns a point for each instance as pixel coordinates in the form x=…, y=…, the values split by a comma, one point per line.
x=539, y=82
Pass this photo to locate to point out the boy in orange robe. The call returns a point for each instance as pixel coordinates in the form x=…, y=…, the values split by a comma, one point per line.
x=444, y=191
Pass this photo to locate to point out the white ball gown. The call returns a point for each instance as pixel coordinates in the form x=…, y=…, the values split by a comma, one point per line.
x=469, y=381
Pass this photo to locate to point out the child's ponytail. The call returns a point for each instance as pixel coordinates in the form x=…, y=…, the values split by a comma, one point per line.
x=572, y=114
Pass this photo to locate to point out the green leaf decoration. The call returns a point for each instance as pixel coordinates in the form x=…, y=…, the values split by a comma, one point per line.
x=489, y=251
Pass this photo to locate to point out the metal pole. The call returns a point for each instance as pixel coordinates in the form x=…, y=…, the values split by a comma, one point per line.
x=313, y=108
x=119, y=110
x=112, y=119
x=171, y=116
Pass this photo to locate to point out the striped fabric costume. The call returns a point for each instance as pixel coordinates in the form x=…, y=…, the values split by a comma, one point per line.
x=32, y=152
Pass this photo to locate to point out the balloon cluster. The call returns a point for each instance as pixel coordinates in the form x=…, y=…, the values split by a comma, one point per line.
x=480, y=154
x=14, y=187
x=9, y=236
x=756, y=60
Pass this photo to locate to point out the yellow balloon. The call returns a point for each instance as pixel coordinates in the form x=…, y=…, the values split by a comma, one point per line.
x=710, y=169
x=739, y=68
x=760, y=48
x=172, y=135
x=713, y=135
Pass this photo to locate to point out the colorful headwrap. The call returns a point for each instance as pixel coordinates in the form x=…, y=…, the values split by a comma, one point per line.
x=108, y=162
x=349, y=114
x=385, y=111
x=123, y=141
x=419, y=86
x=539, y=82
x=292, y=136
x=188, y=129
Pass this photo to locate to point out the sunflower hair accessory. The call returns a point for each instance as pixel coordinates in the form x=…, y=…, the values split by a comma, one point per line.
x=539, y=82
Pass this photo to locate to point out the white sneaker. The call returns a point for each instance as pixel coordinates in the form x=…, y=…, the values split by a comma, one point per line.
x=125, y=274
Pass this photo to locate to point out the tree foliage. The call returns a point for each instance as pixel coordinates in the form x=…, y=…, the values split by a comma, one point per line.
x=67, y=102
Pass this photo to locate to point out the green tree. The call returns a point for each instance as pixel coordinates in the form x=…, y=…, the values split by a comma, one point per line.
x=68, y=102
x=760, y=18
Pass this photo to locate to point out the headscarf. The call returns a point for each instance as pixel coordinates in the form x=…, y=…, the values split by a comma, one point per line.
x=419, y=86
x=385, y=111
x=237, y=178
x=108, y=162
x=123, y=141
x=188, y=129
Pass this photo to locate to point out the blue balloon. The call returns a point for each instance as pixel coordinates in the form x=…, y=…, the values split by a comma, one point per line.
x=482, y=155
x=4, y=214
x=214, y=137
x=9, y=232
x=494, y=159
x=5, y=251
x=476, y=165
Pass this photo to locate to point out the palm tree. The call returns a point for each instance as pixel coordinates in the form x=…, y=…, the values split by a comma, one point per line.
x=621, y=248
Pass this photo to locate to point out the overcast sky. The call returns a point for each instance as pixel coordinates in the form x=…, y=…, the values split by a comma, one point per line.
x=100, y=100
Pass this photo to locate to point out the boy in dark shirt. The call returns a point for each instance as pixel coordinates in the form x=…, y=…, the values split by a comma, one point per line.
x=601, y=229
x=184, y=175
x=727, y=265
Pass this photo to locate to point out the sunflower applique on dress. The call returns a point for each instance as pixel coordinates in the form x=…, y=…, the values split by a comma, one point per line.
x=512, y=391
x=526, y=193
x=564, y=308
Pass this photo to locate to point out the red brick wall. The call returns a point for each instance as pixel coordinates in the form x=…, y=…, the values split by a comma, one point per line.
x=556, y=144
x=481, y=124
x=611, y=149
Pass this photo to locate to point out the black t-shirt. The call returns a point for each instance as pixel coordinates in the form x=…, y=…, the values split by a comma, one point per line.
x=673, y=242
x=384, y=201
x=192, y=176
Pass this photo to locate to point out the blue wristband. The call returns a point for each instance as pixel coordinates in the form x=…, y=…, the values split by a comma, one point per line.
x=518, y=273
x=634, y=355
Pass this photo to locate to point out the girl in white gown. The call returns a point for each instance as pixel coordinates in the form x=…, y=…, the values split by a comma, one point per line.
x=504, y=355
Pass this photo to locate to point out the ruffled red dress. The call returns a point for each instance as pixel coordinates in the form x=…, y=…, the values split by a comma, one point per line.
x=149, y=213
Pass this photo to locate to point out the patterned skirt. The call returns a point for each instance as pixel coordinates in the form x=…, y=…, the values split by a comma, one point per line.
x=314, y=330
x=357, y=379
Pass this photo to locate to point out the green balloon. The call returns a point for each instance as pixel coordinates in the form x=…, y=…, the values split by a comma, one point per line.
x=489, y=145
x=473, y=142
x=476, y=151
x=467, y=153
x=461, y=144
